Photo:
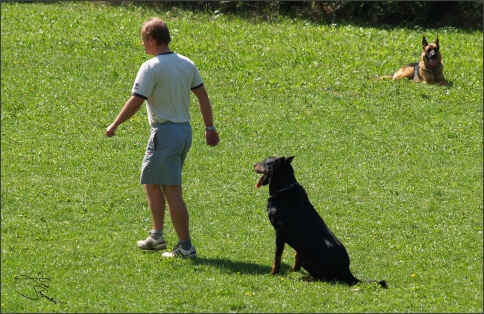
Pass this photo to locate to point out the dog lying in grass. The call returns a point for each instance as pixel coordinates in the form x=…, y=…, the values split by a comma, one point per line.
x=429, y=69
x=297, y=223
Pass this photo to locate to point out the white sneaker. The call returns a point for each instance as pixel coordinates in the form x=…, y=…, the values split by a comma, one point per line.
x=179, y=252
x=151, y=244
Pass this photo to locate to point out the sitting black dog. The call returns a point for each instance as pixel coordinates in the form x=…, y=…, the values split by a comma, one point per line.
x=297, y=223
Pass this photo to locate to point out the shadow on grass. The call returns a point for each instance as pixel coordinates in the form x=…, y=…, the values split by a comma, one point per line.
x=233, y=266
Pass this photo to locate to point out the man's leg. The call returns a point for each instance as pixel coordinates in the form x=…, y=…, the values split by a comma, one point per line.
x=156, y=202
x=178, y=211
x=179, y=217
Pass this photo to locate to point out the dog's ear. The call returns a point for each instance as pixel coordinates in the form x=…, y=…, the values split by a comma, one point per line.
x=289, y=159
x=279, y=160
x=424, y=42
x=436, y=42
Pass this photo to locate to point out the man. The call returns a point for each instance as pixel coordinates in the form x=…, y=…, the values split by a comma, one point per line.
x=165, y=82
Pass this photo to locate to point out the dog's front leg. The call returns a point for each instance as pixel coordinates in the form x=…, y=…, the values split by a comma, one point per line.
x=439, y=78
x=278, y=256
x=297, y=264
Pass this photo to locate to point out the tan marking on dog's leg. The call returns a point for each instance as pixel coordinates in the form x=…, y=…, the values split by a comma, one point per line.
x=277, y=265
x=297, y=265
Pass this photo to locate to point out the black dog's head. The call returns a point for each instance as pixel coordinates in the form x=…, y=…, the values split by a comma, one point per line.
x=271, y=167
x=431, y=52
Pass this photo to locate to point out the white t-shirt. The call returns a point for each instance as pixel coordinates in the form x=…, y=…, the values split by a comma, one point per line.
x=165, y=82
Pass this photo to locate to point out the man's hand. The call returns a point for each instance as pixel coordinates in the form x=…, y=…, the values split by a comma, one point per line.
x=211, y=137
x=129, y=109
x=110, y=130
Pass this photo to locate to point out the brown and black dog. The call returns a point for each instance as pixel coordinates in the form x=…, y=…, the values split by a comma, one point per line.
x=298, y=224
x=429, y=69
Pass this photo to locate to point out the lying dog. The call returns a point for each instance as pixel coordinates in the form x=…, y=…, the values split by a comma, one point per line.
x=297, y=223
x=429, y=69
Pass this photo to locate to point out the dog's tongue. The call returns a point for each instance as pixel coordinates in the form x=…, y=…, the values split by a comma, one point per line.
x=432, y=62
x=259, y=183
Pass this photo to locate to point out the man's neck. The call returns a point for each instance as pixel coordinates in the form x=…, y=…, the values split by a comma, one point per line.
x=161, y=49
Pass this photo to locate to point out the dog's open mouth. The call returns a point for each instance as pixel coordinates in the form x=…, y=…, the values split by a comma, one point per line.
x=432, y=57
x=261, y=181
x=260, y=170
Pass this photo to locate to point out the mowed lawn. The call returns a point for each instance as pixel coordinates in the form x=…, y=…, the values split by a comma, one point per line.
x=394, y=168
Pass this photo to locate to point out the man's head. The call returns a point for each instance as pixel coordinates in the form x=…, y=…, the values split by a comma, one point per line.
x=156, y=29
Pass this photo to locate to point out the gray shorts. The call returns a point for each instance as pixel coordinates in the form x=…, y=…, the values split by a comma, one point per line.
x=165, y=154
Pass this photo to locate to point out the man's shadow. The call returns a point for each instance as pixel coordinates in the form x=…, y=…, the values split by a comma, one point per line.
x=233, y=266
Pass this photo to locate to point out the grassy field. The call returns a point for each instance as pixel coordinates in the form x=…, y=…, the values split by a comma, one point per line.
x=394, y=168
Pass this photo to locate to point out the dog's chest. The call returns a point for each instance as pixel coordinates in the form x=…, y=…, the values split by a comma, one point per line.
x=275, y=216
x=285, y=211
x=427, y=69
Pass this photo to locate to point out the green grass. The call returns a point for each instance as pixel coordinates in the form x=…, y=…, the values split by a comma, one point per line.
x=394, y=168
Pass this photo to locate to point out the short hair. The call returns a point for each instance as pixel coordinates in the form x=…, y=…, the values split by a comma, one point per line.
x=157, y=29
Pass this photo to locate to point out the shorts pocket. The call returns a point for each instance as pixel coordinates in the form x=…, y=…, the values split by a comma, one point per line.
x=154, y=140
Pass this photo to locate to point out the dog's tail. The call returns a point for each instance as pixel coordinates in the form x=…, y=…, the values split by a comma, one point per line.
x=381, y=77
x=352, y=280
x=382, y=283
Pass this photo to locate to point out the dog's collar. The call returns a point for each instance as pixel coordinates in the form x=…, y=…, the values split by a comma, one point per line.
x=288, y=187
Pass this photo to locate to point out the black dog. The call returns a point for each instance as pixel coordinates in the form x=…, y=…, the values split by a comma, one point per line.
x=297, y=223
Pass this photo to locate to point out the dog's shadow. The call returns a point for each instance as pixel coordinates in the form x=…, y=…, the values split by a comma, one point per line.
x=228, y=265
x=246, y=268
